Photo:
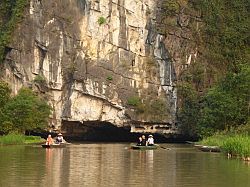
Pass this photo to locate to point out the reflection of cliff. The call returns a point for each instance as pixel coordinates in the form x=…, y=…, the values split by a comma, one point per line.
x=18, y=165
x=116, y=70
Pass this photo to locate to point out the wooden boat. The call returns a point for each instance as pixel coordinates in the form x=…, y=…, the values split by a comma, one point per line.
x=136, y=147
x=61, y=145
x=210, y=148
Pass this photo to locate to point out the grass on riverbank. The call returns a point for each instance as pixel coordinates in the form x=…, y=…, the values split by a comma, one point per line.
x=17, y=139
x=238, y=145
x=234, y=144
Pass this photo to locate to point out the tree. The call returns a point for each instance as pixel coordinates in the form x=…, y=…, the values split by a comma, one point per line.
x=189, y=109
x=227, y=105
x=4, y=93
x=26, y=111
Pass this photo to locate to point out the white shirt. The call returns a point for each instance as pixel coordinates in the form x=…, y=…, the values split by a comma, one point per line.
x=150, y=140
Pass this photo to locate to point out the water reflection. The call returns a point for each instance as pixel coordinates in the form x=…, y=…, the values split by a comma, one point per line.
x=112, y=165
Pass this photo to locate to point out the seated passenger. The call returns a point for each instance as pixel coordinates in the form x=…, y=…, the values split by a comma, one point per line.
x=49, y=140
x=59, y=138
x=144, y=142
x=139, y=143
x=150, y=141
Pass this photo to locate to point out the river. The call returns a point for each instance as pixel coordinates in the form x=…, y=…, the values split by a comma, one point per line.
x=109, y=164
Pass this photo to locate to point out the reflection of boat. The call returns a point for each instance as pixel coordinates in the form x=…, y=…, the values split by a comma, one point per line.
x=144, y=147
x=61, y=145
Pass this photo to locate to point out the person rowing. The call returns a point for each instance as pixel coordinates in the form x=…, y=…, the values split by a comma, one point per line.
x=139, y=143
x=49, y=140
x=144, y=142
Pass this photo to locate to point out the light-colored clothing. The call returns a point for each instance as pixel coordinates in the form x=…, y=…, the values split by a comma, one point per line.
x=49, y=141
x=59, y=139
x=150, y=141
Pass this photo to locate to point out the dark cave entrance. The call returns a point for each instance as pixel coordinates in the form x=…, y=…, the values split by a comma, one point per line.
x=100, y=131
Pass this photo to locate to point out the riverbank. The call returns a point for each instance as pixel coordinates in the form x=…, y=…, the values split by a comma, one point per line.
x=234, y=145
x=18, y=139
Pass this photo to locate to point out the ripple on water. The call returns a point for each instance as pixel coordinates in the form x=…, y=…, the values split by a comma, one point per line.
x=116, y=165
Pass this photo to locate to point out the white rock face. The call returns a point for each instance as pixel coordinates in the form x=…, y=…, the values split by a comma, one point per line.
x=94, y=56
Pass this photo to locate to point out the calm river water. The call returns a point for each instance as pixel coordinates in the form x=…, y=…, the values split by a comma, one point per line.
x=91, y=165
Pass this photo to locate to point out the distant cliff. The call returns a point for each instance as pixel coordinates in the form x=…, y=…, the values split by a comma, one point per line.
x=101, y=60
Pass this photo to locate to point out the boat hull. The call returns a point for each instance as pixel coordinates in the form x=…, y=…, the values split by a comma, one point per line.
x=62, y=145
x=210, y=149
x=136, y=147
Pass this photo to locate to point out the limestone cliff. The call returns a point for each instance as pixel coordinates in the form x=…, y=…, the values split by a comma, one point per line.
x=96, y=60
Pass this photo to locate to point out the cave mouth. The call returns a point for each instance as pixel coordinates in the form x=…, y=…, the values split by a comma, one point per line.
x=101, y=131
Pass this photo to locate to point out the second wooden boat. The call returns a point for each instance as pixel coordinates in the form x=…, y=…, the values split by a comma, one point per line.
x=61, y=145
x=136, y=147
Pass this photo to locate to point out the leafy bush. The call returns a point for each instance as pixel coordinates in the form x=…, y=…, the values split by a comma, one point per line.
x=24, y=112
x=110, y=78
x=226, y=106
x=154, y=110
x=4, y=93
x=101, y=20
x=40, y=79
x=134, y=101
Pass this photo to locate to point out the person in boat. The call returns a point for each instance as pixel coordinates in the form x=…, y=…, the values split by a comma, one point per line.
x=49, y=140
x=139, y=143
x=59, y=138
x=150, y=141
x=144, y=141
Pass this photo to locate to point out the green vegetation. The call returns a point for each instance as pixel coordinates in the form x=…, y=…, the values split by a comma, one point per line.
x=101, y=20
x=134, y=101
x=214, y=91
x=40, y=79
x=4, y=94
x=23, y=112
x=109, y=78
x=215, y=140
x=154, y=109
x=227, y=104
x=222, y=107
x=235, y=141
x=14, y=139
x=230, y=142
x=237, y=145
x=225, y=34
x=11, y=12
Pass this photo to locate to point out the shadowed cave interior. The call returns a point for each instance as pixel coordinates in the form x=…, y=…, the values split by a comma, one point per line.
x=99, y=131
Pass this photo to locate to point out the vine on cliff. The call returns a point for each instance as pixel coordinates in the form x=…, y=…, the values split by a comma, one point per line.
x=11, y=12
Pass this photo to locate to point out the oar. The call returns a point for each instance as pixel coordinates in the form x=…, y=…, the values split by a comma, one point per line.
x=162, y=147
